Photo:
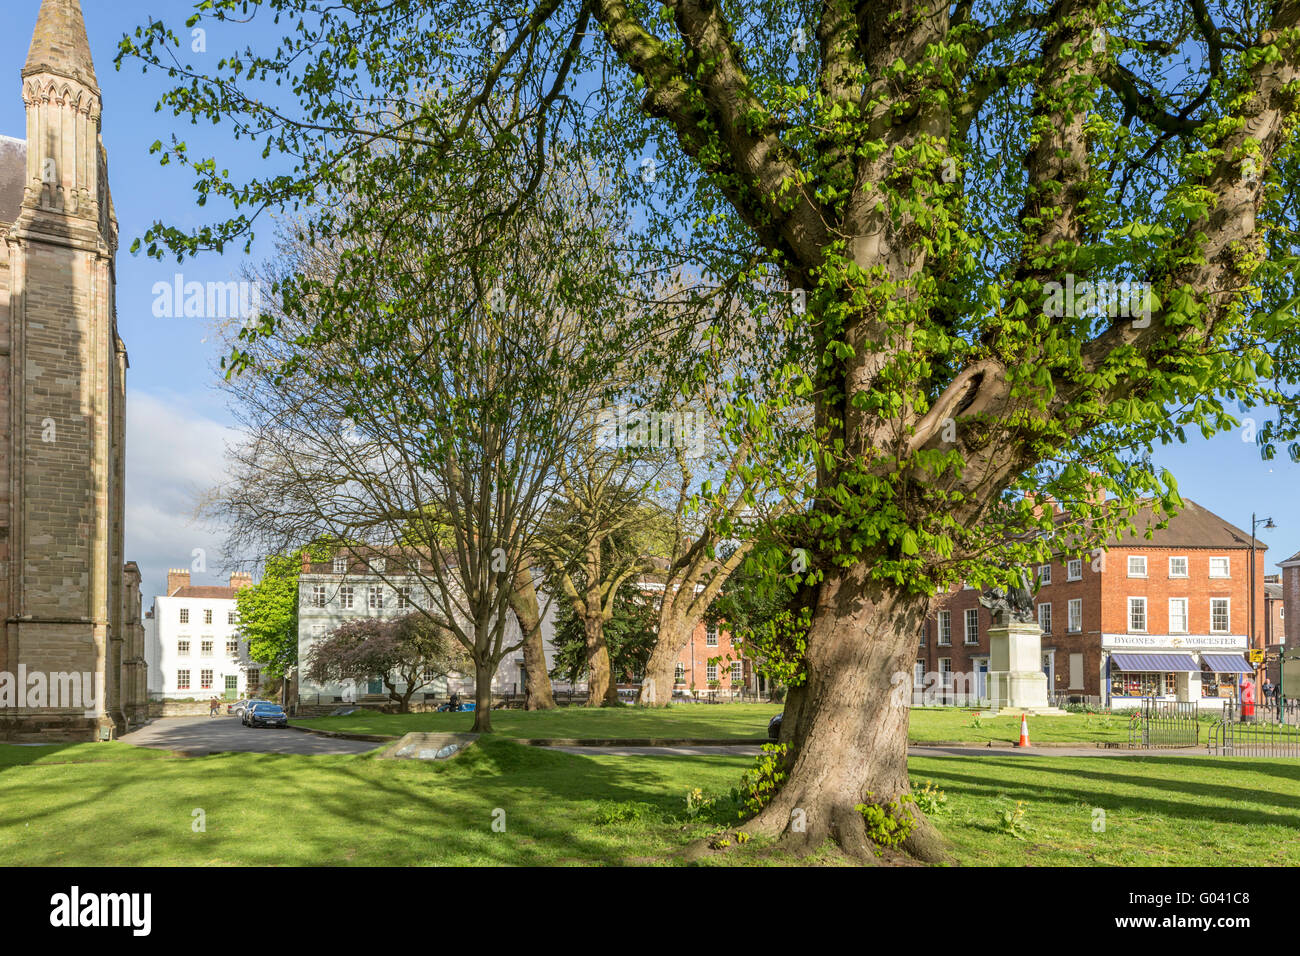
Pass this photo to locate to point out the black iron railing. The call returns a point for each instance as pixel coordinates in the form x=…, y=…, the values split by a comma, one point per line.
x=1268, y=712
x=1165, y=723
x=1232, y=738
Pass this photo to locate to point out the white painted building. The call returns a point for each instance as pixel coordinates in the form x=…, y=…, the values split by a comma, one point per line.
x=345, y=588
x=197, y=640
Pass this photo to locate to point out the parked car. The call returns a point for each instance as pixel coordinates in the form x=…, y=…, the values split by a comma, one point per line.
x=774, y=727
x=267, y=715
x=241, y=706
x=249, y=705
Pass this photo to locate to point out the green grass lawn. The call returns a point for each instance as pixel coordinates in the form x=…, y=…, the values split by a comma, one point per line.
x=264, y=809
x=723, y=722
x=12, y=755
x=99, y=805
x=1166, y=811
x=950, y=723
x=719, y=721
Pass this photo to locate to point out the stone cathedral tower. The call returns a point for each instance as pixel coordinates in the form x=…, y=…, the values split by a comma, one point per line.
x=64, y=592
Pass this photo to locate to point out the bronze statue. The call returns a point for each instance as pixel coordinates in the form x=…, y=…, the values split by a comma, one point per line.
x=1017, y=601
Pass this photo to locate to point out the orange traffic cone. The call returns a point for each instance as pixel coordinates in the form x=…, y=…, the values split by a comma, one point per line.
x=1024, y=730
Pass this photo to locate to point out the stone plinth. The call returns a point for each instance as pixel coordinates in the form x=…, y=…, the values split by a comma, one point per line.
x=1016, y=678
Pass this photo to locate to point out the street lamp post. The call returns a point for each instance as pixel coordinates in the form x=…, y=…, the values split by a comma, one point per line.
x=1255, y=523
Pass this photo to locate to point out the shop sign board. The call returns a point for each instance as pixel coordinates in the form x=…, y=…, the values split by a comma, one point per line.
x=1186, y=642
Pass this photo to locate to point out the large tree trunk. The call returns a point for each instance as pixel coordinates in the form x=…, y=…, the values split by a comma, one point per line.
x=657, y=688
x=539, y=695
x=846, y=726
x=601, y=691
x=483, y=673
x=523, y=601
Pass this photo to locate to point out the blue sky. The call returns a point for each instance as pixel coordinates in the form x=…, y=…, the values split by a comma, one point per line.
x=177, y=422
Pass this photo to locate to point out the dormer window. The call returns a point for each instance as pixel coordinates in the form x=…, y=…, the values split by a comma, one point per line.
x=340, y=565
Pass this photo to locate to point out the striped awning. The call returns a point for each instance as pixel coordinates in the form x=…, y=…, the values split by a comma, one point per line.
x=1155, y=662
x=1226, y=664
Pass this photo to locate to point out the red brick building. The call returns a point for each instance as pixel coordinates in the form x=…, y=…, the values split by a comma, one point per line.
x=710, y=660
x=730, y=670
x=1290, y=632
x=1291, y=600
x=1165, y=616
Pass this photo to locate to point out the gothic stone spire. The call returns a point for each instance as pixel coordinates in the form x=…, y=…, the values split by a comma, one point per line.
x=59, y=43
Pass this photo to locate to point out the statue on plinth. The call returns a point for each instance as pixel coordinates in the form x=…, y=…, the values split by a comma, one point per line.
x=1009, y=605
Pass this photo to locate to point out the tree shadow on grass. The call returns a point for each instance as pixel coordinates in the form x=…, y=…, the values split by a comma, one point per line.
x=25, y=755
x=1022, y=782
x=268, y=809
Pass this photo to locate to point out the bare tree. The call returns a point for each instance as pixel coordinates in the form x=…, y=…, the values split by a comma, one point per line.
x=420, y=389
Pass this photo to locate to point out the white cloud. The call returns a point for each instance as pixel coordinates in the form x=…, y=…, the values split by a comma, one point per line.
x=174, y=454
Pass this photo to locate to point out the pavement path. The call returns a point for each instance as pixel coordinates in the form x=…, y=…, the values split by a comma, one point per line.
x=204, y=735
x=940, y=751
x=1080, y=751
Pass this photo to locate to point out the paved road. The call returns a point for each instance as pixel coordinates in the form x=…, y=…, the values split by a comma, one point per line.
x=1054, y=752
x=201, y=735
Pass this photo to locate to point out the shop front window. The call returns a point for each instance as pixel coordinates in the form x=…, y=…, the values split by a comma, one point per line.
x=1218, y=685
x=1132, y=684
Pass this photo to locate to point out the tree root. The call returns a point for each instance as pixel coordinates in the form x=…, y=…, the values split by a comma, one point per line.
x=842, y=825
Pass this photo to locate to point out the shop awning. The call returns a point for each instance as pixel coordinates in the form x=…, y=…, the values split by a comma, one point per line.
x=1226, y=664
x=1155, y=662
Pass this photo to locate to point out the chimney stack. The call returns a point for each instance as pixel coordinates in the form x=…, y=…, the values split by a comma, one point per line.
x=240, y=579
x=177, y=578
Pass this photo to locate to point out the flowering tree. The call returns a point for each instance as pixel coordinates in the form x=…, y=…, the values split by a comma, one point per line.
x=405, y=652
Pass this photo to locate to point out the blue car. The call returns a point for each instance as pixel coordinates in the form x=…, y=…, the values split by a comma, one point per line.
x=456, y=705
x=266, y=715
